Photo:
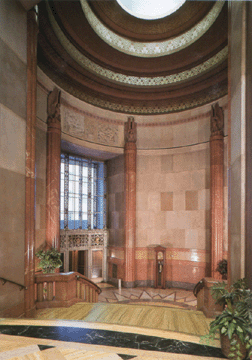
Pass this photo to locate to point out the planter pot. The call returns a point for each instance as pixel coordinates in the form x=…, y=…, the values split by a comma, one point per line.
x=225, y=346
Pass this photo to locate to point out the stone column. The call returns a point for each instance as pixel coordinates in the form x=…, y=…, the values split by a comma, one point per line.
x=130, y=202
x=53, y=170
x=32, y=31
x=216, y=187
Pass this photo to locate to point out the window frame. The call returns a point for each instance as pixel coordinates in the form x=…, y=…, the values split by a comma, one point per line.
x=79, y=172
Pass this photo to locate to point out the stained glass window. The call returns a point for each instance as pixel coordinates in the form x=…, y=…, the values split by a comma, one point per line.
x=82, y=193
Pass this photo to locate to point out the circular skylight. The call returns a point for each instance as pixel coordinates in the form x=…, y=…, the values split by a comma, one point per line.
x=150, y=9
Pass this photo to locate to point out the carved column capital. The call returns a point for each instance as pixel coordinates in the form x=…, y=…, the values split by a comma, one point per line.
x=217, y=120
x=130, y=130
x=53, y=109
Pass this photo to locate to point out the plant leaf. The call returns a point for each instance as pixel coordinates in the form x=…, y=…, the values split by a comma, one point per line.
x=223, y=330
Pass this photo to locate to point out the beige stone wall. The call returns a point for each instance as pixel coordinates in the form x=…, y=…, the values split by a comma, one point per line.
x=12, y=153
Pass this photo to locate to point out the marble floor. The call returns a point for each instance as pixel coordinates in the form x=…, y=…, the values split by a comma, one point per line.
x=139, y=323
x=58, y=340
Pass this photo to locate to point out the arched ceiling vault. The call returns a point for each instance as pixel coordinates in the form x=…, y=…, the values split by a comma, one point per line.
x=102, y=55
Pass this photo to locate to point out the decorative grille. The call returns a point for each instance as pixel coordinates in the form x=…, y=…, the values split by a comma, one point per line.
x=83, y=239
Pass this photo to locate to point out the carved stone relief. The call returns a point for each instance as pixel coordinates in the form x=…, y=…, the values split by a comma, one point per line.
x=107, y=134
x=73, y=123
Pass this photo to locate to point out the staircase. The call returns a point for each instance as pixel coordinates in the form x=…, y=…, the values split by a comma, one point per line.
x=64, y=289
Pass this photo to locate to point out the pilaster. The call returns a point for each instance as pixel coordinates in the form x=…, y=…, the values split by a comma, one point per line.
x=216, y=188
x=130, y=202
x=32, y=31
x=53, y=171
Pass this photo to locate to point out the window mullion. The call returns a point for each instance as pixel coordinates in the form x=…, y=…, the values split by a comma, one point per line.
x=80, y=192
x=66, y=191
x=104, y=196
x=89, y=204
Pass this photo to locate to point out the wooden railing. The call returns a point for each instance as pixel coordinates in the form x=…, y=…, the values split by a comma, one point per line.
x=64, y=289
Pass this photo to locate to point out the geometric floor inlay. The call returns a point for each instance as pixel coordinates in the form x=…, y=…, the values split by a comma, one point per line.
x=170, y=297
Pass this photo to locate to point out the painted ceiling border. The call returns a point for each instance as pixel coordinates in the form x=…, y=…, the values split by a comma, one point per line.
x=123, y=79
x=151, y=49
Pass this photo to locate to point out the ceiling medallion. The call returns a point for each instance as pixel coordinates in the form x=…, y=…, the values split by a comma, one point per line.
x=150, y=9
x=151, y=49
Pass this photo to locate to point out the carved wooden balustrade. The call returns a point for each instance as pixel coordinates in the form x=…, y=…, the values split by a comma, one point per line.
x=64, y=290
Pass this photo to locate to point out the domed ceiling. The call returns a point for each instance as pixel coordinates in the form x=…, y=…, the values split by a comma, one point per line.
x=104, y=56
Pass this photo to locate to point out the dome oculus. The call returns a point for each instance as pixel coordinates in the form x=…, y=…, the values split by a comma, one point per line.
x=150, y=9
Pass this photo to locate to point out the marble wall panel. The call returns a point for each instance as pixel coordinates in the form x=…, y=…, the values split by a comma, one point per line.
x=204, y=199
x=200, y=179
x=191, y=238
x=166, y=163
x=178, y=200
x=11, y=296
x=12, y=200
x=153, y=202
x=111, y=202
x=161, y=137
x=12, y=143
x=40, y=153
x=116, y=206
x=191, y=200
x=180, y=215
x=186, y=134
x=41, y=104
x=13, y=27
x=12, y=220
x=12, y=153
x=141, y=200
x=116, y=183
x=160, y=220
x=166, y=201
x=119, y=202
x=13, y=80
x=204, y=130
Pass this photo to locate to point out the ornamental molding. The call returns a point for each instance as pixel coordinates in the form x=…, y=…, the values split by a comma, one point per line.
x=151, y=49
x=123, y=79
x=89, y=124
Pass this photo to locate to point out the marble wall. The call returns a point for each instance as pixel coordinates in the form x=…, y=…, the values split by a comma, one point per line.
x=12, y=154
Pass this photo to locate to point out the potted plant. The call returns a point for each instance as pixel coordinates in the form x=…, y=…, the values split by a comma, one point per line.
x=235, y=322
x=222, y=268
x=49, y=260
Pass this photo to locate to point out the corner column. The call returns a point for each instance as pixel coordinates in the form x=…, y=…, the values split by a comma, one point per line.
x=29, y=275
x=216, y=188
x=53, y=170
x=130, y=152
